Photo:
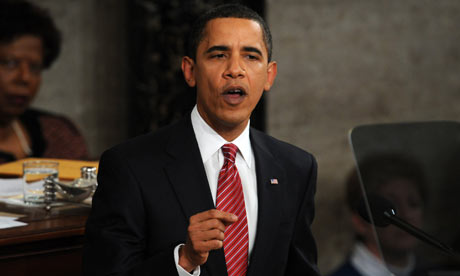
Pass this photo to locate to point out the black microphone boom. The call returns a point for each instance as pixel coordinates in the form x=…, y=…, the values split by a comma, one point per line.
x=383, y=214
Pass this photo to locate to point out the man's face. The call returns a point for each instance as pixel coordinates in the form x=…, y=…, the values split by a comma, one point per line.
x=20, y=74
x=231, y=71
x=408, y=202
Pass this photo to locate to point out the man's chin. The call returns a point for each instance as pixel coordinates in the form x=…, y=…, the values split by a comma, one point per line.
x=234, y=121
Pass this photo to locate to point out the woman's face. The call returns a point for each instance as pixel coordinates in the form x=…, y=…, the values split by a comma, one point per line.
x=21, y=63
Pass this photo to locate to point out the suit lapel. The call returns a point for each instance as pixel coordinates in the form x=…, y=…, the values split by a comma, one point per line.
x=270, y=189
x=188, y=179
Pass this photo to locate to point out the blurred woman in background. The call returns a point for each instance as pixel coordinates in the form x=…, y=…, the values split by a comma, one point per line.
x=30, y=43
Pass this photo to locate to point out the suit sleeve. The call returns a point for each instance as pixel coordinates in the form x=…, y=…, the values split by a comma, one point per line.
x=302, y=259
x=116, y=228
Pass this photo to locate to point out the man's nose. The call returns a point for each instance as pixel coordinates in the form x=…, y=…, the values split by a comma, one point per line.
x=235, y=68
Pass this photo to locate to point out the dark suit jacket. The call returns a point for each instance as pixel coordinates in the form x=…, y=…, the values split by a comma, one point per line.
x=151, y=185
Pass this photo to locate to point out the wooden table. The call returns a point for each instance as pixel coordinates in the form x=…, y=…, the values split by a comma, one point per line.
x=51, y=243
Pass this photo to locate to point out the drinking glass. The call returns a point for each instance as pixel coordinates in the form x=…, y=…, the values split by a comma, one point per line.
x=33, y=179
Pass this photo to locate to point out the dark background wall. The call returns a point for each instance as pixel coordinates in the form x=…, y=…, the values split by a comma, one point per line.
x=340, y=63
x=157, y=37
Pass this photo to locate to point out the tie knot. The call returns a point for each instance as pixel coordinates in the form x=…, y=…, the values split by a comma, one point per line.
x=229, y=151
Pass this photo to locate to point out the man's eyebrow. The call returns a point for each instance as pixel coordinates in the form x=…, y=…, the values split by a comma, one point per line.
x=217, y=48
x=252, y=49
x=227, y=48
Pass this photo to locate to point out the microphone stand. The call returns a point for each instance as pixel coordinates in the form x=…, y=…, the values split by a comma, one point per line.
x=418, y=233
x=385, y=213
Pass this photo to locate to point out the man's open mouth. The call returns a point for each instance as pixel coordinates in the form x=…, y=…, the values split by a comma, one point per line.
x=234, y=95
x=235, y=91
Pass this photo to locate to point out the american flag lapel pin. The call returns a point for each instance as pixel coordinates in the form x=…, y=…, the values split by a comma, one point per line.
x=274, y=181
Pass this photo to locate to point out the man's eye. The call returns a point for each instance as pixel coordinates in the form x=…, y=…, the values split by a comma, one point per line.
x=252, y=57
x=218, y=56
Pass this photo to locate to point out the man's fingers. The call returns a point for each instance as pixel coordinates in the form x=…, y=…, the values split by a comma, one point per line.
x=206, y=246
x=229, y=222
x=205, y=233
x=198, y=245
x=213, y=234
x=207, y=225
x=225, y=217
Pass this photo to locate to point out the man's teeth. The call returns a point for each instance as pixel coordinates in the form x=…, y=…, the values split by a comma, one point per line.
x=236, y=91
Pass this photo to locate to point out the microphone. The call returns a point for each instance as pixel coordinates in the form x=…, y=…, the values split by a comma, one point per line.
x=384, y=214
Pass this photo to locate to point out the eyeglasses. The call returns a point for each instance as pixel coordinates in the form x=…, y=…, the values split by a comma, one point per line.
x=12, y=64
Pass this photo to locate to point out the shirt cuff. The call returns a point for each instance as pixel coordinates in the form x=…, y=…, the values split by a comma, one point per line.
x=180, y=269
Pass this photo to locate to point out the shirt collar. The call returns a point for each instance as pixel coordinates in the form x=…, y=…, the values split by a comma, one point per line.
x=367, y=263
x=209, y=141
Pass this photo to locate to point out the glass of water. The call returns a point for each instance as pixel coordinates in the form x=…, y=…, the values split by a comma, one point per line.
x=33, y=179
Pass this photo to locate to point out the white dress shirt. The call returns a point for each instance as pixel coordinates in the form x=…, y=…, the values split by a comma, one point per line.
x=366, y=263
x=210, y=143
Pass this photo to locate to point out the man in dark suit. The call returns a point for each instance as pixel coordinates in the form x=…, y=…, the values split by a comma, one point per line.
x=160, y=207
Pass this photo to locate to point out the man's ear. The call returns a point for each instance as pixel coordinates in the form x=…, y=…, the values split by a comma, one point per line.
x=272, y=70
x=188, y=66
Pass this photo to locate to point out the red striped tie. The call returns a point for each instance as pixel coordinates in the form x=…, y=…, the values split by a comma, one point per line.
x=230, y=198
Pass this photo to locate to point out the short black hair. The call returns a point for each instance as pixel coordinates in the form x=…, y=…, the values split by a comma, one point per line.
x=18, y=18
x=226, y=11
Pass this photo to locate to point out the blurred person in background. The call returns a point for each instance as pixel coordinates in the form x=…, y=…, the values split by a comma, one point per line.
x=400, y=180
x=30, y=43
